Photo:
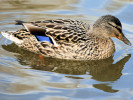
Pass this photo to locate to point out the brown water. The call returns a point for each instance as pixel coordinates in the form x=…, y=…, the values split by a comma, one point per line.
x=23, y=76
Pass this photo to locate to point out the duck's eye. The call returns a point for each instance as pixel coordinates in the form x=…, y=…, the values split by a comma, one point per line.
x=116, y=34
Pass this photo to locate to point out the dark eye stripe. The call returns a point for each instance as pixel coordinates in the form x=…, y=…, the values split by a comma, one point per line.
x=115, y=27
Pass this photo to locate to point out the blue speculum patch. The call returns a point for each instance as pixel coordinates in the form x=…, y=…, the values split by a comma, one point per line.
x=43, y=38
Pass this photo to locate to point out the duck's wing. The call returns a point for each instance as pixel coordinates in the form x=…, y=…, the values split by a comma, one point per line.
x=60, y=30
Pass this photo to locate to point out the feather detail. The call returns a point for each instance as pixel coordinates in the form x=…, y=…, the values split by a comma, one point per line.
x=35, y=30
x=43, y=38
x=69, y=31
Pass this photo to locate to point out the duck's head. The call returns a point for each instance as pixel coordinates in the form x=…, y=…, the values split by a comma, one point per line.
x=110, y=26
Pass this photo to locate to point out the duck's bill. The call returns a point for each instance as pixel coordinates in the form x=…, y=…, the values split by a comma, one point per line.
x=126, y=41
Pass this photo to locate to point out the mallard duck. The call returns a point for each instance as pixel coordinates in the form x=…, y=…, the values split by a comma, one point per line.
x=69, y=39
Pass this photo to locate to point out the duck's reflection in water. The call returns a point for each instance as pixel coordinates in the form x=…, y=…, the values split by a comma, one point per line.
x=102, y=70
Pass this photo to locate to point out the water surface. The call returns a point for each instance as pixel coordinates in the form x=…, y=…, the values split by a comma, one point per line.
x=23, y=76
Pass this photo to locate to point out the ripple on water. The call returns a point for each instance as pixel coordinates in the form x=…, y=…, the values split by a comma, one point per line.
x=23, y=76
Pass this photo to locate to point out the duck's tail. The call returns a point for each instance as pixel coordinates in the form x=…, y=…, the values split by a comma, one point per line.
x=19, y=22
x=9, y=35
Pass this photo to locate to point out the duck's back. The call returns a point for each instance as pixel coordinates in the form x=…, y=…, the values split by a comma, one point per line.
x=60, y=30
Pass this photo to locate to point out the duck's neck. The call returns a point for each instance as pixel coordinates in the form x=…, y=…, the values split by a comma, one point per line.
x=103, y=46
x=99, y=32
x=106, y=47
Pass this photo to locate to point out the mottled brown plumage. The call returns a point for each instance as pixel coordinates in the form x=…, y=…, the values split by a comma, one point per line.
x=71, y=39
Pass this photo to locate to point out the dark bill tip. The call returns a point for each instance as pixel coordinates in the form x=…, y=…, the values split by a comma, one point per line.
x=126, y=41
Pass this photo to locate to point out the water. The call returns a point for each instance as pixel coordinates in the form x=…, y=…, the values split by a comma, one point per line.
x=23, y=76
